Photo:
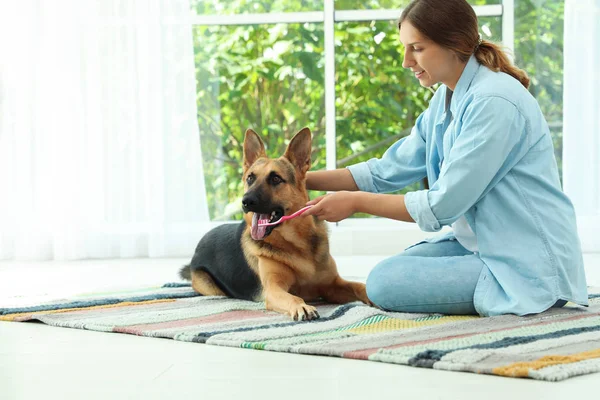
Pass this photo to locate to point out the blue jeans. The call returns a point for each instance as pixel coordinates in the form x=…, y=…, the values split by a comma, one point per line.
x=428, y=278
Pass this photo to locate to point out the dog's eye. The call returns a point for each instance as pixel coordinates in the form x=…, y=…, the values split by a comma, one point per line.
x=250, y=179
x=276, y=180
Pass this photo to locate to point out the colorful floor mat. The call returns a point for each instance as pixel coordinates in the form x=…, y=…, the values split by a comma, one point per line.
x=552, y=346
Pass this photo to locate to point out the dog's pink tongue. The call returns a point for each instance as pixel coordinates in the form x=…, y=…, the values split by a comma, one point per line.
x=258, y=232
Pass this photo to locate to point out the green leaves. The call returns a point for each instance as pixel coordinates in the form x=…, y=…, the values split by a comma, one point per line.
x=309, y=64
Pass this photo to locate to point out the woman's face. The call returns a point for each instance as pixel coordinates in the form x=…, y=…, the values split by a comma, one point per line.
x=430, y=62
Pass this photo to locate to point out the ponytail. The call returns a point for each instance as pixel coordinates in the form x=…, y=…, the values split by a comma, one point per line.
x=492, y=56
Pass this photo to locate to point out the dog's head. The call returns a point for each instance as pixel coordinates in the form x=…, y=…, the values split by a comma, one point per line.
x=274, y=187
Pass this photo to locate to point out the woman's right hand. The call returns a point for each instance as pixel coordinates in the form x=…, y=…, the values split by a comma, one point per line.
x=333, y=207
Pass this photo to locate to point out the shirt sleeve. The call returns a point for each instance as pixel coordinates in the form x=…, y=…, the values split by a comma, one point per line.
x=485, y=149
x=403, y=163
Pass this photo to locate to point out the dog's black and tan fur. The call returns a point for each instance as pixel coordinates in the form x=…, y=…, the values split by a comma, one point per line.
x=291, y=263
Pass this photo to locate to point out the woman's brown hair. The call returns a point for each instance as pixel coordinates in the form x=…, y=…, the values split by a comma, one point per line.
x=453, y=24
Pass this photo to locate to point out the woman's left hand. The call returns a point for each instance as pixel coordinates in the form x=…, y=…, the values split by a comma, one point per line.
x=333, y=207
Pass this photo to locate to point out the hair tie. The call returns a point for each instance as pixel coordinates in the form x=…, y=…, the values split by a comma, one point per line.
x=479, y=41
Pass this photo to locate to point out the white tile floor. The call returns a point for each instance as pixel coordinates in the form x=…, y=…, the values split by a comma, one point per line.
x=38, y=361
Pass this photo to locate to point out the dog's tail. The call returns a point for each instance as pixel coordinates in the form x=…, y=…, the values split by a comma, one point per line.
x=186, y=273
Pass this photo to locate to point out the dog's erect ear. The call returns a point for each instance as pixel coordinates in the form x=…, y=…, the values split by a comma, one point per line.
x=299, y=149
x=254, y=148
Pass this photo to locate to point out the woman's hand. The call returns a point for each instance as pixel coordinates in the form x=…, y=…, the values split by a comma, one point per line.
x=333, y=207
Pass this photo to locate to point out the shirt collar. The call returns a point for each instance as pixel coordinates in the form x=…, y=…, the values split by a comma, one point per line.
x=464, y=82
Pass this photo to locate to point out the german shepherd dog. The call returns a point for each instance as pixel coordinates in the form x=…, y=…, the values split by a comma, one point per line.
x=283, y=265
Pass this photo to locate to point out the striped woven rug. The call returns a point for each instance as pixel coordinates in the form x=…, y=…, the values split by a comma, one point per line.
x=552, y=346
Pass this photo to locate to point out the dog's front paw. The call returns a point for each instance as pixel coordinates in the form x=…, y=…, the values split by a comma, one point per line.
x=303, y=312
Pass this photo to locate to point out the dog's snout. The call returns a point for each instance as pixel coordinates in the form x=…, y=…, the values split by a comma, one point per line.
x=249, y=201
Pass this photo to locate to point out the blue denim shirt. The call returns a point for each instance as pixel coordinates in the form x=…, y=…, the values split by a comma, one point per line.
x=487, y=153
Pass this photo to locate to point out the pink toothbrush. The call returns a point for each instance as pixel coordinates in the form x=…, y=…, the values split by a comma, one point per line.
x=264, y=222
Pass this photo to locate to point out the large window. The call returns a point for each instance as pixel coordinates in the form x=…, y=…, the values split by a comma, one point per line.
x=277, y=66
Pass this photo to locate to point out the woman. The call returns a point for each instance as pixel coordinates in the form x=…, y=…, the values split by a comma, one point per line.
x=486, y=150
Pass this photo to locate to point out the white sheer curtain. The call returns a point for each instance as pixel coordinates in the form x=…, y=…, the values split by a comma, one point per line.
x=99, y=143
x=581, y=139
